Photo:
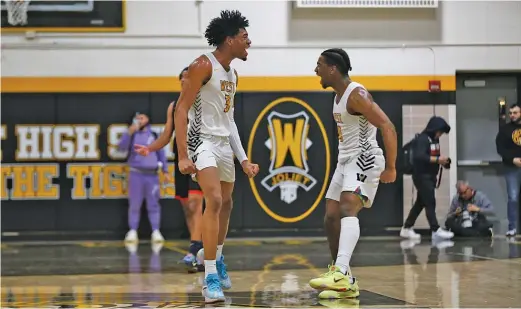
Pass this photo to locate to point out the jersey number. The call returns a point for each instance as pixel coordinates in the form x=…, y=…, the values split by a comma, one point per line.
x=228, y=103
x=339, y=130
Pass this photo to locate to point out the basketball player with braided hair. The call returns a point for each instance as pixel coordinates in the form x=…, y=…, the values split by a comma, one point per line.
x=361, y=167
x=207, y=148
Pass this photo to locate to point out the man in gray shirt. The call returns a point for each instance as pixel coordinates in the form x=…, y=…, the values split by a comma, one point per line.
x=468, y=211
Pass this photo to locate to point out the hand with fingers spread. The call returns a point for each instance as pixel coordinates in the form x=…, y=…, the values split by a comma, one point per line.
x=142, y=150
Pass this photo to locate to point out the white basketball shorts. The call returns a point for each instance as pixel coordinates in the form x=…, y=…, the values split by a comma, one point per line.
x=214, y=151
x=360, y=174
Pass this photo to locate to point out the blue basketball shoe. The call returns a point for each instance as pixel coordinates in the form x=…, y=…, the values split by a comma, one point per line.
x=226, y=282
x=212, y=290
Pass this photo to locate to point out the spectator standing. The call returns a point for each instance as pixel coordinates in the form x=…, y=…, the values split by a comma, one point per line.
x=143, y=182
x=508, y=146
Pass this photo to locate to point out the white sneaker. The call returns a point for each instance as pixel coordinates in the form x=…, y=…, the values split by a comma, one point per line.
x=131, y=236
x=157, y=237
x=131, y=246
x=409, y=233
x=511, y=233
x=156, y=247
x=442, y=243
x=409, y=243
x=441, y=233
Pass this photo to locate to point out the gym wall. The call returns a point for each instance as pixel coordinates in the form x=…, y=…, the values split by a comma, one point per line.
x=67, y=97
x=61, y=171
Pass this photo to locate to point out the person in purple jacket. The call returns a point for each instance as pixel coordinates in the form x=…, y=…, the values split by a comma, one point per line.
x=143, y=182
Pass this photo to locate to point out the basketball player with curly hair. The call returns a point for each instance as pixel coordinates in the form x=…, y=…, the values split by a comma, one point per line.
x=206, y=149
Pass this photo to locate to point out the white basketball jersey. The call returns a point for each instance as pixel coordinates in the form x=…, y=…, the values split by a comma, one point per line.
x=212, y=110
x=356, y=135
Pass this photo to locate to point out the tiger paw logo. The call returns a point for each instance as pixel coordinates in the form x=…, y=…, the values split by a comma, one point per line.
x=516, y=137
x=289, y=137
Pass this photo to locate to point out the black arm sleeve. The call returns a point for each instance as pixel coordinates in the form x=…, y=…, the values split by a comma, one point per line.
x=421, y=150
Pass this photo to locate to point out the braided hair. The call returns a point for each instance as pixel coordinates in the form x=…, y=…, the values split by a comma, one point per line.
x=339, y=58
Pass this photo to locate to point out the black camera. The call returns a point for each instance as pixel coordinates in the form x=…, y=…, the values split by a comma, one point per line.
x=447, y=165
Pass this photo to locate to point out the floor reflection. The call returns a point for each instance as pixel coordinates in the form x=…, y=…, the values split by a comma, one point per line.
x=392, y=273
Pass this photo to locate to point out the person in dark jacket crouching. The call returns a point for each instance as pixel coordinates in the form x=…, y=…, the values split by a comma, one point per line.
x=426, y=165
x=468, y=212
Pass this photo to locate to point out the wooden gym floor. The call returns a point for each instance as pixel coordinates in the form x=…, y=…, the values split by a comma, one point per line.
x=266, y=273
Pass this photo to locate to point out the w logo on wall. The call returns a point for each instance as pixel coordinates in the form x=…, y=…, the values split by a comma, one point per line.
x=290, y=139
x=288, y=145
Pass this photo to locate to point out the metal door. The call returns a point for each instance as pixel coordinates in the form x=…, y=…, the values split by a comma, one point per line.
x=477, y=118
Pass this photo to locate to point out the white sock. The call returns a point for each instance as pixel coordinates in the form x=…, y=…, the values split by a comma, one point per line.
x=209, y=267
x=219, y=251
x=349, y=234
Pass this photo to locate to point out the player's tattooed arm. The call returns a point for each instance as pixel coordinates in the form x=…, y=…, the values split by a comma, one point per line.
x=361, y=101
x=198, y=72
x=167, y=133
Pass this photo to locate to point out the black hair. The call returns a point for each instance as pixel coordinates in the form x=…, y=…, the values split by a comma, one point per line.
x=339, y=58
x=229, y=23
x=515, y=105
x=181, y=74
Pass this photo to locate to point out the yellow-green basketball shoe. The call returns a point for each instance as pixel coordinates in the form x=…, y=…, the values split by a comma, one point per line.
x=333, y=280
x=352, y=292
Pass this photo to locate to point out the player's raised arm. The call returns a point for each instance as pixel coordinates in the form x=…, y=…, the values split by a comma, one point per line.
x=167, y=133
x=198, y=72
x=362, y=102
